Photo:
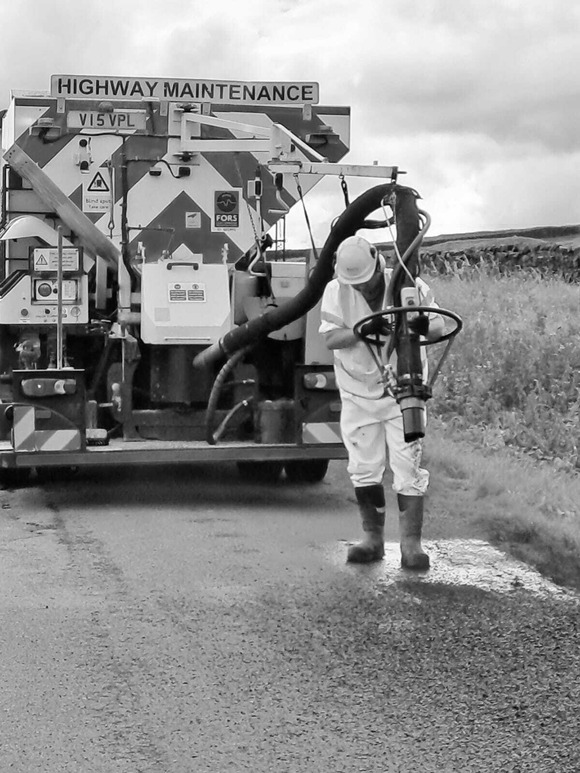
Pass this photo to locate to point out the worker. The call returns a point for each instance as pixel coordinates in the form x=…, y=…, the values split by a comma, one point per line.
x=371, y=421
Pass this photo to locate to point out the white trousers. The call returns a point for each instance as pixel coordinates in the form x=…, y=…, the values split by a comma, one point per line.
x=370, y=428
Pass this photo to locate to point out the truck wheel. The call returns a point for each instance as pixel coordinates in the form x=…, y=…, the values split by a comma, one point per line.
x=260, y=472
x=306, y=470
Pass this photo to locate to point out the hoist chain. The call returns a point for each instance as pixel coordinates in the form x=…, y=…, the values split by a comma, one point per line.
x=111, y=223
x=344, y=187
x=256, y=237
x=299, y=189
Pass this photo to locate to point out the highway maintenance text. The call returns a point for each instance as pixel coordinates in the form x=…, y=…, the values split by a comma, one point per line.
x=220, y=92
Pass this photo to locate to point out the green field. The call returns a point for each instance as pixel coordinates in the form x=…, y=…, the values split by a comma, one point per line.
x=503, y=440
x=513, y=374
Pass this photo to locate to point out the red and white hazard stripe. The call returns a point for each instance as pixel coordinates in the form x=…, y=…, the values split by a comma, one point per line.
x=321, y=432
x=25, y=436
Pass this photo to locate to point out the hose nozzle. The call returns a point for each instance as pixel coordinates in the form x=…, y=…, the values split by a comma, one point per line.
x=412, y=398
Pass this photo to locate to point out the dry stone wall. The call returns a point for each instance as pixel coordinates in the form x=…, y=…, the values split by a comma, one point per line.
x=543, y=260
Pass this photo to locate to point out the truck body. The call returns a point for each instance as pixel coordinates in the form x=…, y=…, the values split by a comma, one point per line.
x=141, y=221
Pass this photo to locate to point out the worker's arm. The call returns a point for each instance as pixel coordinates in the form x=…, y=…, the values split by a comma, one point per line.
x=340, y=338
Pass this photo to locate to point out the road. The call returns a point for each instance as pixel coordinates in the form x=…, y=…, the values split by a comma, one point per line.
x=175, y=621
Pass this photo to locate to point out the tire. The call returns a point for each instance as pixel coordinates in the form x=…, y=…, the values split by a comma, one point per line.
x=260, y=472
x=306, y=470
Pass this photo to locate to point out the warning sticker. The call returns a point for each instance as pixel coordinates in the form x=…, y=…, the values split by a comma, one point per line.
x=98, y=184
x=226, y=210
x=186, y=292
x=193, y=219
x=46, y=259
x=97, y=194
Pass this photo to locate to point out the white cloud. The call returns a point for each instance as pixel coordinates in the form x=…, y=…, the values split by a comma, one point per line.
x=477, y=99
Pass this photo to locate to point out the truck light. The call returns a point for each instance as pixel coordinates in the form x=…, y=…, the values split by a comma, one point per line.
x=319, y=380
x=45, y=128
x=44, y=289
x=44, y=387
x=83, y=158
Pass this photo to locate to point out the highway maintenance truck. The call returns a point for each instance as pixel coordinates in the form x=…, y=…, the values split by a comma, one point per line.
x=151, y=310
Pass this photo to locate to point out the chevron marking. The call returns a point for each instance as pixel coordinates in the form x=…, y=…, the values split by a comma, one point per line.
x=27, y=116
x=63, y=171
x=58, y=440
x=307, y=182
x=25, y=436
x=321, y=432
x=340, y=124
x=167, y=188
x=23, y=427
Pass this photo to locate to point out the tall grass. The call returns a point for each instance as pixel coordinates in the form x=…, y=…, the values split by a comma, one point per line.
x=512, y=377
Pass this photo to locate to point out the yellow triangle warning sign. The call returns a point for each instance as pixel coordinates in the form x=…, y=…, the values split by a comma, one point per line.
x=41, y=260
x=98, y=184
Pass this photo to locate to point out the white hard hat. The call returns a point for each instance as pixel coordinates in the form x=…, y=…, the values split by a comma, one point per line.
x=356, y=260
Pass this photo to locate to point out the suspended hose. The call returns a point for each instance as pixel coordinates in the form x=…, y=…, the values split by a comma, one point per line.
x=349, y=222
x=211, y=436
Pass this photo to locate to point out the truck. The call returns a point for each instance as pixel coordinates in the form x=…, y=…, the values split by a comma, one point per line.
x=151, y=310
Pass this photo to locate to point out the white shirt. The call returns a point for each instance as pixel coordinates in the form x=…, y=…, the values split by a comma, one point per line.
x=356, y=371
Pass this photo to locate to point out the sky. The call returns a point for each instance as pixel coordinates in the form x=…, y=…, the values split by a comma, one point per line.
x=477, y=100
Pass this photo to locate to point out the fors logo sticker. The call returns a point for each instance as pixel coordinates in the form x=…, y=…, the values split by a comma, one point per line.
x=227, y=209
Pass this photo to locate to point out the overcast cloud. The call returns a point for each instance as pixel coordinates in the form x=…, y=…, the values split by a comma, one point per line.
x=478, y=100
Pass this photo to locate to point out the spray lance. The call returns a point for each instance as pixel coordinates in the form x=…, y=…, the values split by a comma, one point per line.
x=406, y=319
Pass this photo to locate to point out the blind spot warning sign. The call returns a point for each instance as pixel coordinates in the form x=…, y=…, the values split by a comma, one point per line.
x=97, y=195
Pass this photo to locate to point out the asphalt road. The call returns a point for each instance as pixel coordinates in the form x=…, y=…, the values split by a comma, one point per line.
x=179, y=621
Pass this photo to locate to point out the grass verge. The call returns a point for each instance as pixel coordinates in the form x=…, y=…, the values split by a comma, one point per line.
x=522, y=506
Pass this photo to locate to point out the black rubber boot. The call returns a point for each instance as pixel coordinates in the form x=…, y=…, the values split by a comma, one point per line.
x=410, y=527
x=371, y=503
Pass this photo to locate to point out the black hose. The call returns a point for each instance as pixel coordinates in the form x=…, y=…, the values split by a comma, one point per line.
x=125, y=254
x=213, y=438
x=227, y=368
x=349, y=222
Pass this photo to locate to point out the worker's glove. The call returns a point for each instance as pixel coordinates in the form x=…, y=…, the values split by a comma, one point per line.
x=377, y=326
x=419, y=324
